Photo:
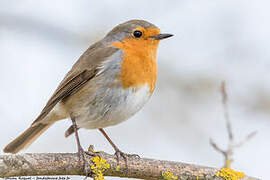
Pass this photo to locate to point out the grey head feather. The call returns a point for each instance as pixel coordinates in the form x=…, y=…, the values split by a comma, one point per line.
x=125, y=29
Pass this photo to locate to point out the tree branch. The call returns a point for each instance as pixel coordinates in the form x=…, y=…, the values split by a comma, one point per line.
x=68, y=164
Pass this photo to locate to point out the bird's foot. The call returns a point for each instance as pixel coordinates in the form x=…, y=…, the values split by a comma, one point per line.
x=134, y=156
x=81, y=155
x=83, y=160
x=125, y=156
x=119, y=154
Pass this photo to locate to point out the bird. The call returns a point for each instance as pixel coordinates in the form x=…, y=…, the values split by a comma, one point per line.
x=110, y=82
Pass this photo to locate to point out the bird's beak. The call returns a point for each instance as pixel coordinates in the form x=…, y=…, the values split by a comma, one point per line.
x=161, y=36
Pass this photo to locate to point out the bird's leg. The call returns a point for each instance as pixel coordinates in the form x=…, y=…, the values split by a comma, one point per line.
x=117, y=153
x=81, y=152
x=80, y=149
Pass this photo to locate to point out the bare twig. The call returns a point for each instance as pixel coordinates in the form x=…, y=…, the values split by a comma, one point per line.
x=226, y=111
x=68, y=164
x=228, y=154
x=247, y=138
x=215, y=146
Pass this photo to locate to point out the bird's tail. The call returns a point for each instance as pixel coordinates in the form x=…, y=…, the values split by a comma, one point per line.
x=26, y=138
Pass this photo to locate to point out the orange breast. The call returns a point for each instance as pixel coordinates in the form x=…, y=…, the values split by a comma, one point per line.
x=139, y=66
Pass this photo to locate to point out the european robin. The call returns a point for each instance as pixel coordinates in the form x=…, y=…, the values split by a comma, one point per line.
x=109, y=83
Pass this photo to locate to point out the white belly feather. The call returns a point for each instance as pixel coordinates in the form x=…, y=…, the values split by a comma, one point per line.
x=128, y=103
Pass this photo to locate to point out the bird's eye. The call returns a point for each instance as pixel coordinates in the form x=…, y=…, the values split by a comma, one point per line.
x=137, y=34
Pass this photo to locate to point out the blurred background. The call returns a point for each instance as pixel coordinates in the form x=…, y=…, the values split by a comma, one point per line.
x=214, y=41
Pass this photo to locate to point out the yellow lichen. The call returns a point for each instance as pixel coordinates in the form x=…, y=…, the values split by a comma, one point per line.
x=117, y=168
x=169, y=176
x=228, y=163
x=200, y=177
x=229, y=174
x=99, y=167
x=91, y=149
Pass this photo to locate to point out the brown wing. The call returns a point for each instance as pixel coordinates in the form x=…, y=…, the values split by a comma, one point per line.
x=82, y=71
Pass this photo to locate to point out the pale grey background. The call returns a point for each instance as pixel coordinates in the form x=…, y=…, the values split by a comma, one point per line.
x=214, y=41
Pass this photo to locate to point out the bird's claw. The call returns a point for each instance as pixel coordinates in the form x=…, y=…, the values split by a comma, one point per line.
x=134, y=156
x=125, y=156
x=82, y=158
x=119, y=154
x=81, y=155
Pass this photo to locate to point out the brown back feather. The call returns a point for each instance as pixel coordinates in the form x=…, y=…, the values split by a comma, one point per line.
x=82, y=71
